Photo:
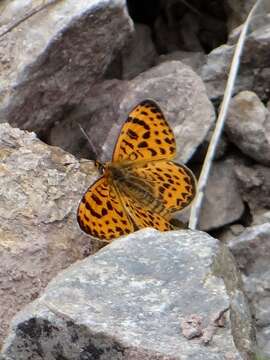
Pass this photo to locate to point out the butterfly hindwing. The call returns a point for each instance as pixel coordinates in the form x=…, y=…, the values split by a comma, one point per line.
x=101, y=214
x=145, y=135
x=142, y=217
x=173, y=184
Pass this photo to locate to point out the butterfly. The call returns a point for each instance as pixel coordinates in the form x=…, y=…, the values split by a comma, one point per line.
x=141, y=186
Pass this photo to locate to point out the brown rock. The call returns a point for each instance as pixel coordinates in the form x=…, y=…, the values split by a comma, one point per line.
x=40, y=188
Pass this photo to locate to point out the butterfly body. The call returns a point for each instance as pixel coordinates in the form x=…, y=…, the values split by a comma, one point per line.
x=124, y=178
x=141, y=186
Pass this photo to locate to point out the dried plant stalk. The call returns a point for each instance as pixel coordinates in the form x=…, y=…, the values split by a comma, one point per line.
x=196, y=207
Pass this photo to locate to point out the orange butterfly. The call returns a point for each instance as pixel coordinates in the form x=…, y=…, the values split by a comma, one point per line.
x=141, y=186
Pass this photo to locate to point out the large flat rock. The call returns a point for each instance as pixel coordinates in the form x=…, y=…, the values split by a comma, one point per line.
x=138, y=298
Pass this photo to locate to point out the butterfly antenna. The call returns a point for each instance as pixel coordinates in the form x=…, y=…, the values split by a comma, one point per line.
x=92, y=147
x=98, y=164
x=86, y=136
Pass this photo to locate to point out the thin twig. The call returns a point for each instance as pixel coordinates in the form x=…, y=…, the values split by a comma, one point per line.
x=27, y=16
x=196, y=207
x=192, y=8
x=86, y=136
x=90, y=142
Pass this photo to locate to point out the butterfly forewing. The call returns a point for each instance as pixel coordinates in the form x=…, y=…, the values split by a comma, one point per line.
x=101, y=214
x=145, y=135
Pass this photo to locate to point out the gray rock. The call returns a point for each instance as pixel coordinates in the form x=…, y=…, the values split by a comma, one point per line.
x=215, y=73
x=193, y=59
x=230, y=232
x=96, y=114
x=222, y=202
x=176, y=88
x=220, y=152
x=254, y=71
x=239, y=10
x=40, y=188
x=261, y=216
x=248, y=126
x=254, y=185
x=129, y=300
x=167, y=39
x=181, y=95
x=51, y=60
x=252, y=252
x=188, y=30
x=222, y=147
x=140, y=54
x=190, y=26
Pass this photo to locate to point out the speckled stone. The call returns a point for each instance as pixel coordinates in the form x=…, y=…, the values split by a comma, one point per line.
x=128, y=301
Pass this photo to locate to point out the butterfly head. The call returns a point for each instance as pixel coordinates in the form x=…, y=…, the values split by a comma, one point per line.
x=100, y=166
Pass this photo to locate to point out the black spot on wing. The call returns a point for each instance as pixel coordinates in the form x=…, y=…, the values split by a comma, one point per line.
x=141, y=123
x=143, y=144
x=96, y=199
x=128, y=144
x=92, y=211
x=152, y=151
x=132, y=134
x=104, y=211
x=162, y=151
x=109, y=205
x=146, y=135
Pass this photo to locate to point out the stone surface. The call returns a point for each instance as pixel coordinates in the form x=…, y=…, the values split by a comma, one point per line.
x=140, y=53
x=129, y=300
x=51, y=60
x=254, y=181
x=195, y=26
x=40, y=188
x=252, y=252
x=230, y=232
x=180, y=94
x=248, y=126
x=221, y=150
x=167, y=39
x=193, y=59
x=238, y=11
x=254, y=71
x=215, y=73
x=96, y=114
x=261, y=216
x=222, y=203
x=176, y=88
